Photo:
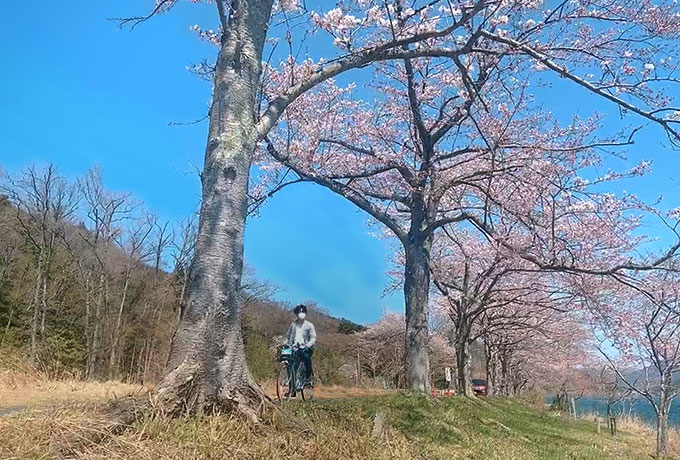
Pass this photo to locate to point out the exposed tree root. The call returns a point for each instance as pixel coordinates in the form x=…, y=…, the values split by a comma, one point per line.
x=120, y=415
x=247, y=401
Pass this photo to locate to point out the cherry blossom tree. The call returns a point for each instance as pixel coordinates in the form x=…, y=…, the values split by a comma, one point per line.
x=638, y=333
x=613, y=391
x=493, y=295
x=556, y=241
x=426, y=148
x=381, y=350
x=555, y=356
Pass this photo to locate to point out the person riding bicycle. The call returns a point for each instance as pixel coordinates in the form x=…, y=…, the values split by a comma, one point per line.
x=302, y=337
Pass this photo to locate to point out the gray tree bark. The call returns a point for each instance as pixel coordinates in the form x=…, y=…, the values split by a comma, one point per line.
x=491, y=367
x=662, y=434
x=416, y=294
x=662, y=412
x=463, y=362
x=207, y=367
x=463, y=331
x=505, y=373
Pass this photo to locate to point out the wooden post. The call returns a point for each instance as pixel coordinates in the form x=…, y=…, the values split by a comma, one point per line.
x=573, y=407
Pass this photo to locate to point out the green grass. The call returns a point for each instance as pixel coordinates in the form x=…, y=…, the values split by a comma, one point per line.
x=488, y=428
x=419, y=428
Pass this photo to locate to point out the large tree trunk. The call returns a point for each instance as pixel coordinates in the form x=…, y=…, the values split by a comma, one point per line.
x=416, y=292
x=662, y=418
x=463, y=362
x=491, y=367
x=182, y=295
x=462, y=346
x=207, y=367
x=505, y=372
x=662, y=432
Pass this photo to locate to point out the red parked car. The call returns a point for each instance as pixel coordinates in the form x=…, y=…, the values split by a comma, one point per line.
x=479, y=387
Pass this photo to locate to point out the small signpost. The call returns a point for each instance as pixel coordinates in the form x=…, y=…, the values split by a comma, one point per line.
x=448, y=374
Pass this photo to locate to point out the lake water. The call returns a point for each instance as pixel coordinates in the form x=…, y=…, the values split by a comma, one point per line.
x=639, y=407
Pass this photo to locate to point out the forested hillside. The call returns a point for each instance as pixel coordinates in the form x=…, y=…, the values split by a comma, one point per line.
x=86, y=283
x=91, y=285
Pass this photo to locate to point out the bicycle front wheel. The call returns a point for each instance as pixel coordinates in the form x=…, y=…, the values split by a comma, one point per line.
x=306, y=387
x=308, y=392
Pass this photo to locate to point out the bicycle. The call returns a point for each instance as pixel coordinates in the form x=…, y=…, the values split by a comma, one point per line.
x=293, y=368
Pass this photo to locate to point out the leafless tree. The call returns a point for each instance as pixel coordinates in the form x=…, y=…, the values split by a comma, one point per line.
x=44, y=202
x=105, y=213
x=160, y=241
x=132, y=242
x=182, y=251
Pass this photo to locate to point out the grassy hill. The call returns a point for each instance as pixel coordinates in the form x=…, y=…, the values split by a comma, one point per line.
x=414, y=428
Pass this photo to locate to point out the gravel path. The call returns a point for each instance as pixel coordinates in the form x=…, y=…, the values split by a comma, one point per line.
x=10, y=410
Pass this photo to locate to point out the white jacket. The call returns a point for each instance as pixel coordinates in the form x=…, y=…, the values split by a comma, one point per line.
x=307, y=331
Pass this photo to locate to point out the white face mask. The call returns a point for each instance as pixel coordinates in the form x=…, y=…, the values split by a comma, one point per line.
x=302, y=315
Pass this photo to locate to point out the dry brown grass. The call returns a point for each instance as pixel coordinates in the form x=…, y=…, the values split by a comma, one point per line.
x=331, y=391
x=337, y=427
x=24, y=386
x=63, y=392
x=641, y=431
x=34, y=433
x=336, y=391
x=28, y=388
x=418, y=428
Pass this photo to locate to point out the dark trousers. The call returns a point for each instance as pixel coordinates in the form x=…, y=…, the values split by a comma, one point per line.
x=303, y=355
x=306, y=357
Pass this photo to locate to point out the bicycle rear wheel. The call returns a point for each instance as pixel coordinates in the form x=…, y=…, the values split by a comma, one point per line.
x=283, y=392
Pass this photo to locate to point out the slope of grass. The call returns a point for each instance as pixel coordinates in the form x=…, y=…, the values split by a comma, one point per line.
x=417, y=428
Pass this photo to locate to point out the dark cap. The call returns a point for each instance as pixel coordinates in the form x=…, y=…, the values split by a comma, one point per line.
x=300, y=308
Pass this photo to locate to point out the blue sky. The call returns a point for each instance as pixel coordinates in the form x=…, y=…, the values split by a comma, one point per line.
x=76, y=90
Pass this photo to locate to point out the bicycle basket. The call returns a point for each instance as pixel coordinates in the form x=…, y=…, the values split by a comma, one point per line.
x=285, y=353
